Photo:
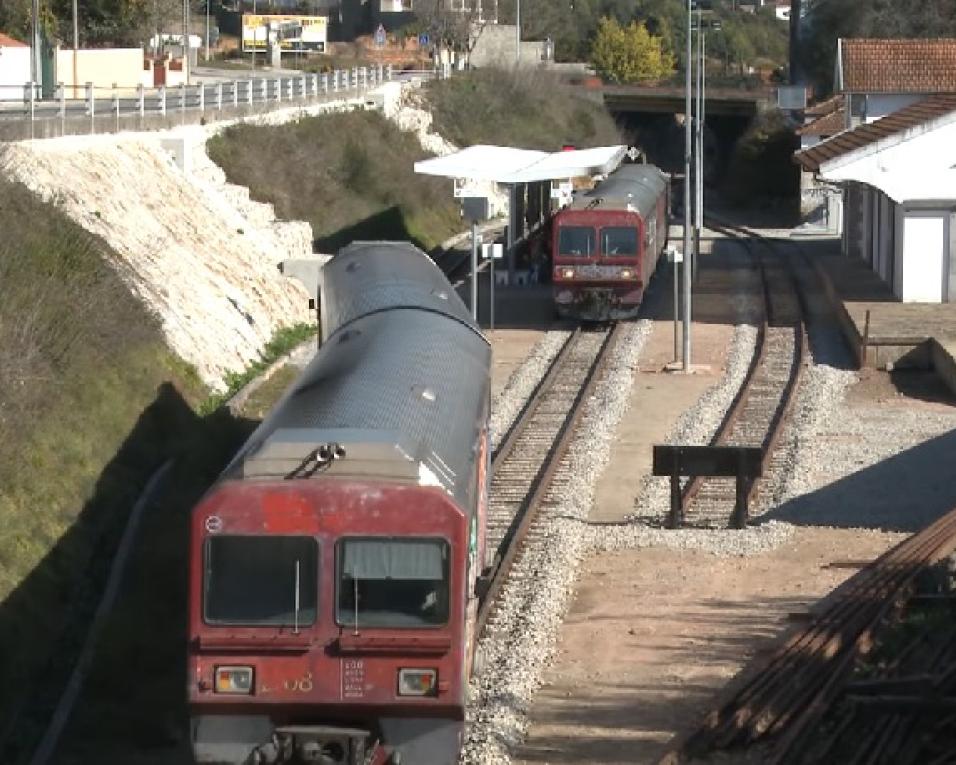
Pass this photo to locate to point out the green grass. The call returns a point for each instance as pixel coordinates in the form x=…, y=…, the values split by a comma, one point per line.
x=282, y=342
x=527, y=109
x=267, y=395
x=349, y=174
x=91, y=402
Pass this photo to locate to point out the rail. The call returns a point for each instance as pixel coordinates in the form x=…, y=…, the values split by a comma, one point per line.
x=107, y=110
x=778, y=395
x=510, y=545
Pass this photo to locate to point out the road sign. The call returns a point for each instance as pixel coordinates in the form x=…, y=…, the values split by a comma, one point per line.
x=423, y=40
x=380, y=36
x=492, y=251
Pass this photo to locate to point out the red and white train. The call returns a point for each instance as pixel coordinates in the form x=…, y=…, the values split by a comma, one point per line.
x=333, y=564
x=606, y=243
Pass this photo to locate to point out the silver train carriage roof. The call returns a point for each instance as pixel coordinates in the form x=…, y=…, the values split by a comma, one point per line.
x=635, y=187
x=400, y=384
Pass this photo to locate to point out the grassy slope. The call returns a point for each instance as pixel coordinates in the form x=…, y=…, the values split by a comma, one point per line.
x=349, y=174
x=82, y=425
x=530, y=110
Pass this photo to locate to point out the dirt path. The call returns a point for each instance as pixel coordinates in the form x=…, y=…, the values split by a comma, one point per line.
x=654, y=634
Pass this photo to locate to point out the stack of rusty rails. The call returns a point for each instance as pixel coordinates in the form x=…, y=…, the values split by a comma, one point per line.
x=527, y=463
x=766, y=397
x=779, y=709
x=899, y=706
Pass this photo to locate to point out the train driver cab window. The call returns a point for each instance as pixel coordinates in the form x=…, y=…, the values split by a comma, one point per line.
x=260, y=580
x=576, y=241
x=619, y=241
x=392, y=582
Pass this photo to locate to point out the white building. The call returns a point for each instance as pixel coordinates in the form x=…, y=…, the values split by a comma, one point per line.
x=14, y=68
x=899, y=180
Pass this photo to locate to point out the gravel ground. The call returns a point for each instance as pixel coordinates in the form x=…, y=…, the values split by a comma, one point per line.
x=840, y=463
x=522, y=635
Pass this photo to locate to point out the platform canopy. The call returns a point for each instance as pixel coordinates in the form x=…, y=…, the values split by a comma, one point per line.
x=504, y=164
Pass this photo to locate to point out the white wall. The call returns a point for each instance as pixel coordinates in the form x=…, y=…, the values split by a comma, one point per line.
x=14, y=72
x=103, y=67
x=925, y=246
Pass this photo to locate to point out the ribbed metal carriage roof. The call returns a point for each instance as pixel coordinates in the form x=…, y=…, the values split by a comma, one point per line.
x=402, y=369
x=366, y=277
x=637, y=186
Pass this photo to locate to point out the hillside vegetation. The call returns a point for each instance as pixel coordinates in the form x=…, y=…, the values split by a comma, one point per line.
x=528, y=109
x=86, y=414
x=348, y=174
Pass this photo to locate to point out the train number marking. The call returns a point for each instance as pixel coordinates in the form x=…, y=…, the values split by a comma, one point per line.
x=213, y=524
x=353, y=678
x=302, y=685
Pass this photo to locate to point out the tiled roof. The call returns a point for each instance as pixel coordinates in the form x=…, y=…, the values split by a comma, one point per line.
x=899, y=66
x=823, y=108
x=827, y=125
x=9, y=42
x=898, y=122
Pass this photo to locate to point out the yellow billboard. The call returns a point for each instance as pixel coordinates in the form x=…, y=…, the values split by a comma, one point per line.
x=295, y=34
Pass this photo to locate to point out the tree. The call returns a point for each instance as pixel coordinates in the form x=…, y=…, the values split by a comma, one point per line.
x=629, y=54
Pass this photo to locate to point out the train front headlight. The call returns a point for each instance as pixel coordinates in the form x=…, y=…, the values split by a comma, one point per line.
x=234, y=680
x=567, y=272
x=627, y=273
x=417, y=682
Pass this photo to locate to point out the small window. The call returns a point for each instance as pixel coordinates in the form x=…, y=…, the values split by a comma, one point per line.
x=261, y=580
x=389, y=582
x=576, y=241
x=619, y=241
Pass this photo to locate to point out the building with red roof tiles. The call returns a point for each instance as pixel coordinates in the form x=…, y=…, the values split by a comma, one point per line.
x=879, y=77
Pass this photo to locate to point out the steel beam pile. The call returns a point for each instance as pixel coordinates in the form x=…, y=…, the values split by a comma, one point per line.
x=781, y=706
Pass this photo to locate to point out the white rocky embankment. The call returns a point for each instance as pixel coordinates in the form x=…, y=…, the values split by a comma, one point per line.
x=207, y=270
x=196, y=249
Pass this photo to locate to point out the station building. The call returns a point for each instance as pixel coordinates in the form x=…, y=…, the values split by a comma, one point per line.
x=892, y=163
x=899, y=180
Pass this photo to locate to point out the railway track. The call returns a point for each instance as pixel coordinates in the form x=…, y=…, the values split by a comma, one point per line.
x=527, y=466
x=759, y=411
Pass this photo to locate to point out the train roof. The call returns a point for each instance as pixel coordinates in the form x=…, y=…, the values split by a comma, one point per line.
x=631, y=187
x=401, y=382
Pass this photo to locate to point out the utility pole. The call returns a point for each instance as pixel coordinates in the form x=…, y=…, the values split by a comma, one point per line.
x=186, y=66
x=698, y=145
x=76, y=46
x=36, y=68
x=688, y=116
x=207, y=29
x=517, y=32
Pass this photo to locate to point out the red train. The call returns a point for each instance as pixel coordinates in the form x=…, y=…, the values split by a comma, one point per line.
x=333, y=564
x=606, y=243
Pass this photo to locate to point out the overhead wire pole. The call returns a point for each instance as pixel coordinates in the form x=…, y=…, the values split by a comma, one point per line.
x=698, y=144
x=517, y=32
x=688, y=116
x=76, y=46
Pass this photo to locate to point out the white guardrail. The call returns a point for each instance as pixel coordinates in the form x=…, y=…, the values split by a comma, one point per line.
x=97, y=105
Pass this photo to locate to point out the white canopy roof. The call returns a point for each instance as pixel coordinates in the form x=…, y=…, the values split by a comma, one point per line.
x=916, y=165
x=503, y=164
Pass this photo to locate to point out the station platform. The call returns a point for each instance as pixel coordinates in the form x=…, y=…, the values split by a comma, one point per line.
x=883, y=332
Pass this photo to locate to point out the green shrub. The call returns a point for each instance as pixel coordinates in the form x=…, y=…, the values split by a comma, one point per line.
x=351, y=175
x=530, y=109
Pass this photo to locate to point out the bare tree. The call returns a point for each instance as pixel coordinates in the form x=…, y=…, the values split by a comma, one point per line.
x=452, y=24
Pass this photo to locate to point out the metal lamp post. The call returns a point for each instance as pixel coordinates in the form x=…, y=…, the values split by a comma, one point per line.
x=517, y=32
x=698, y=147
x=688, y=150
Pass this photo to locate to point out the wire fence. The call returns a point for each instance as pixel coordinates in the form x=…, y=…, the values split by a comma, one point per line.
x=106, y=110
